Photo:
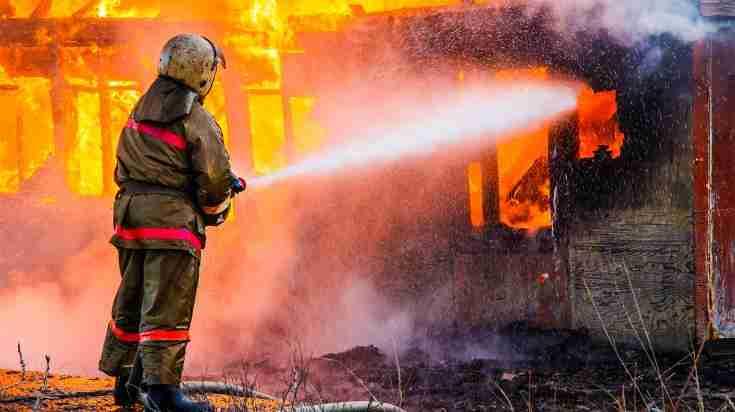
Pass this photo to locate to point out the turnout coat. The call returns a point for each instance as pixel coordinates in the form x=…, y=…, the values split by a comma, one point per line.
x=173, y=171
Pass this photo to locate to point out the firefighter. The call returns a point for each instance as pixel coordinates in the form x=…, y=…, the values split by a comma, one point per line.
x=174, y=178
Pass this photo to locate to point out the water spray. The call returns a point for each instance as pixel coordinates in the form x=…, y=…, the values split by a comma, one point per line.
x=471, y=117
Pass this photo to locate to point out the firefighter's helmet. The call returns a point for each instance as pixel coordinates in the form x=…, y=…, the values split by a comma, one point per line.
x=192, y=60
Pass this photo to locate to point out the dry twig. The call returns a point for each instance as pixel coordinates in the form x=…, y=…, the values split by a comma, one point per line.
x=44, y=388
x=611, y=339
x=398, y=370
x=22, y=363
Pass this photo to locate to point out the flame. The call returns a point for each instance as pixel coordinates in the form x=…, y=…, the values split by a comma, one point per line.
x=523, y=188
x=309, y=135
x=35, y=121
x=268, y=134
x=215, y=103
x=122, y=101
x=85, y=163
x=10, y=144
x=598, y=125
x=264, y=15
x=475, y=187
x=30, y=104
x=119, y=9
x=26, y=112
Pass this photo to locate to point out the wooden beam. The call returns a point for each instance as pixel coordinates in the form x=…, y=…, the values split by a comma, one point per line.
x=563, y=151
x=101, y=32
x=700, y=136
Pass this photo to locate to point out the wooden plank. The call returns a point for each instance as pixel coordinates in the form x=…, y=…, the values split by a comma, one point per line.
x=631, y=260
x=717, y=8
x=563, y=150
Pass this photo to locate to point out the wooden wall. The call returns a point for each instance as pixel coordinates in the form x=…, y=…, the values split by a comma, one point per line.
x=717, y=8
x=630, y=238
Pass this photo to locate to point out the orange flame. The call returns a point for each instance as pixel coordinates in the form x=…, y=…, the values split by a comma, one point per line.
x=598, y=125
x=522, y=159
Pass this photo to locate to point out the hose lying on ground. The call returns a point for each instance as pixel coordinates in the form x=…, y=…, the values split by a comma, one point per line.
x=351, y=406
x=221, y=388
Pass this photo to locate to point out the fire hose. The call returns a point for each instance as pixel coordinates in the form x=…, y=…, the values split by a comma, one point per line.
x=222, y=388
x=238, y=186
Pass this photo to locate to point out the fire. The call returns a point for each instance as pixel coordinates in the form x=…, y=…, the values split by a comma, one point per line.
x=309, y=135
x=282, y=127
x=85, y=163
x=264, y=15
x=91, y=131
x=27, y=112
x=475, y=183
x=10, y=150
x=598, y=125
x=523, y=170
x=524, y=185
x=268, y=134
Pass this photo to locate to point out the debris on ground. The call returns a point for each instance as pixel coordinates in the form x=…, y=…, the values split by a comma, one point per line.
x=517, y=368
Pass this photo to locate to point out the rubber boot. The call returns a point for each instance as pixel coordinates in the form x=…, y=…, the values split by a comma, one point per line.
x=169, y=398
x=125, y=396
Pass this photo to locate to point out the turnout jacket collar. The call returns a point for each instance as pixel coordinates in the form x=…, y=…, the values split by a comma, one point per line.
x=165, y=101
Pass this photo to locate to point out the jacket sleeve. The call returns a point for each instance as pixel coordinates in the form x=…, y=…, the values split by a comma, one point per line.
x=210, y=165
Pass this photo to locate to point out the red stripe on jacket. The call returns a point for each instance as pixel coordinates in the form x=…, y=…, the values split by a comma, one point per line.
x=157, y=233
x=151, y=335
x=158, y=133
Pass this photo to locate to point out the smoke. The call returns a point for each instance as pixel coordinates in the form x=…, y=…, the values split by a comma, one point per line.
x=630, y=21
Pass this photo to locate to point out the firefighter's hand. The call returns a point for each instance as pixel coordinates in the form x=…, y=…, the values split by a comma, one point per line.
x=238, y=185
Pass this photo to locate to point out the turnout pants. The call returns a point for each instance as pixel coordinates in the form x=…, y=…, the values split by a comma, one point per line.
x=151, y=314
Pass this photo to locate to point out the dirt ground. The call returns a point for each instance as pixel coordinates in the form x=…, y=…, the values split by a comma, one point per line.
x=25, y=389
x=518, y=368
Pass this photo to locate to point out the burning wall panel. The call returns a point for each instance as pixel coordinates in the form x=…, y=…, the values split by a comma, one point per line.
x=598, y=123
x=308, y=134
x=267, y=131
x=27, y=140
x=36, y=124
x=476, y=191
x=9, y=142
x=216, y=104
x=627, y=220
x=85, y=162
x=517, y=156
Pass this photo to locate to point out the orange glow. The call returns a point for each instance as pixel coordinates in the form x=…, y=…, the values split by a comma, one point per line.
x=215, y=103
x=308, y=133
x=268, y=135
x=523, y=187
x=598, y=124
x=475, y=183
x=36, y=122
x=9, y=142
x=26, y=112
x=85, y=163
x=87, y=140
x=122, y=102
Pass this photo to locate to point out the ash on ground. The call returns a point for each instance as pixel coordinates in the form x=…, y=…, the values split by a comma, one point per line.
x=516, y=368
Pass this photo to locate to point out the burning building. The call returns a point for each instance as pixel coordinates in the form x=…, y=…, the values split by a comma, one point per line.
x=614, y=216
